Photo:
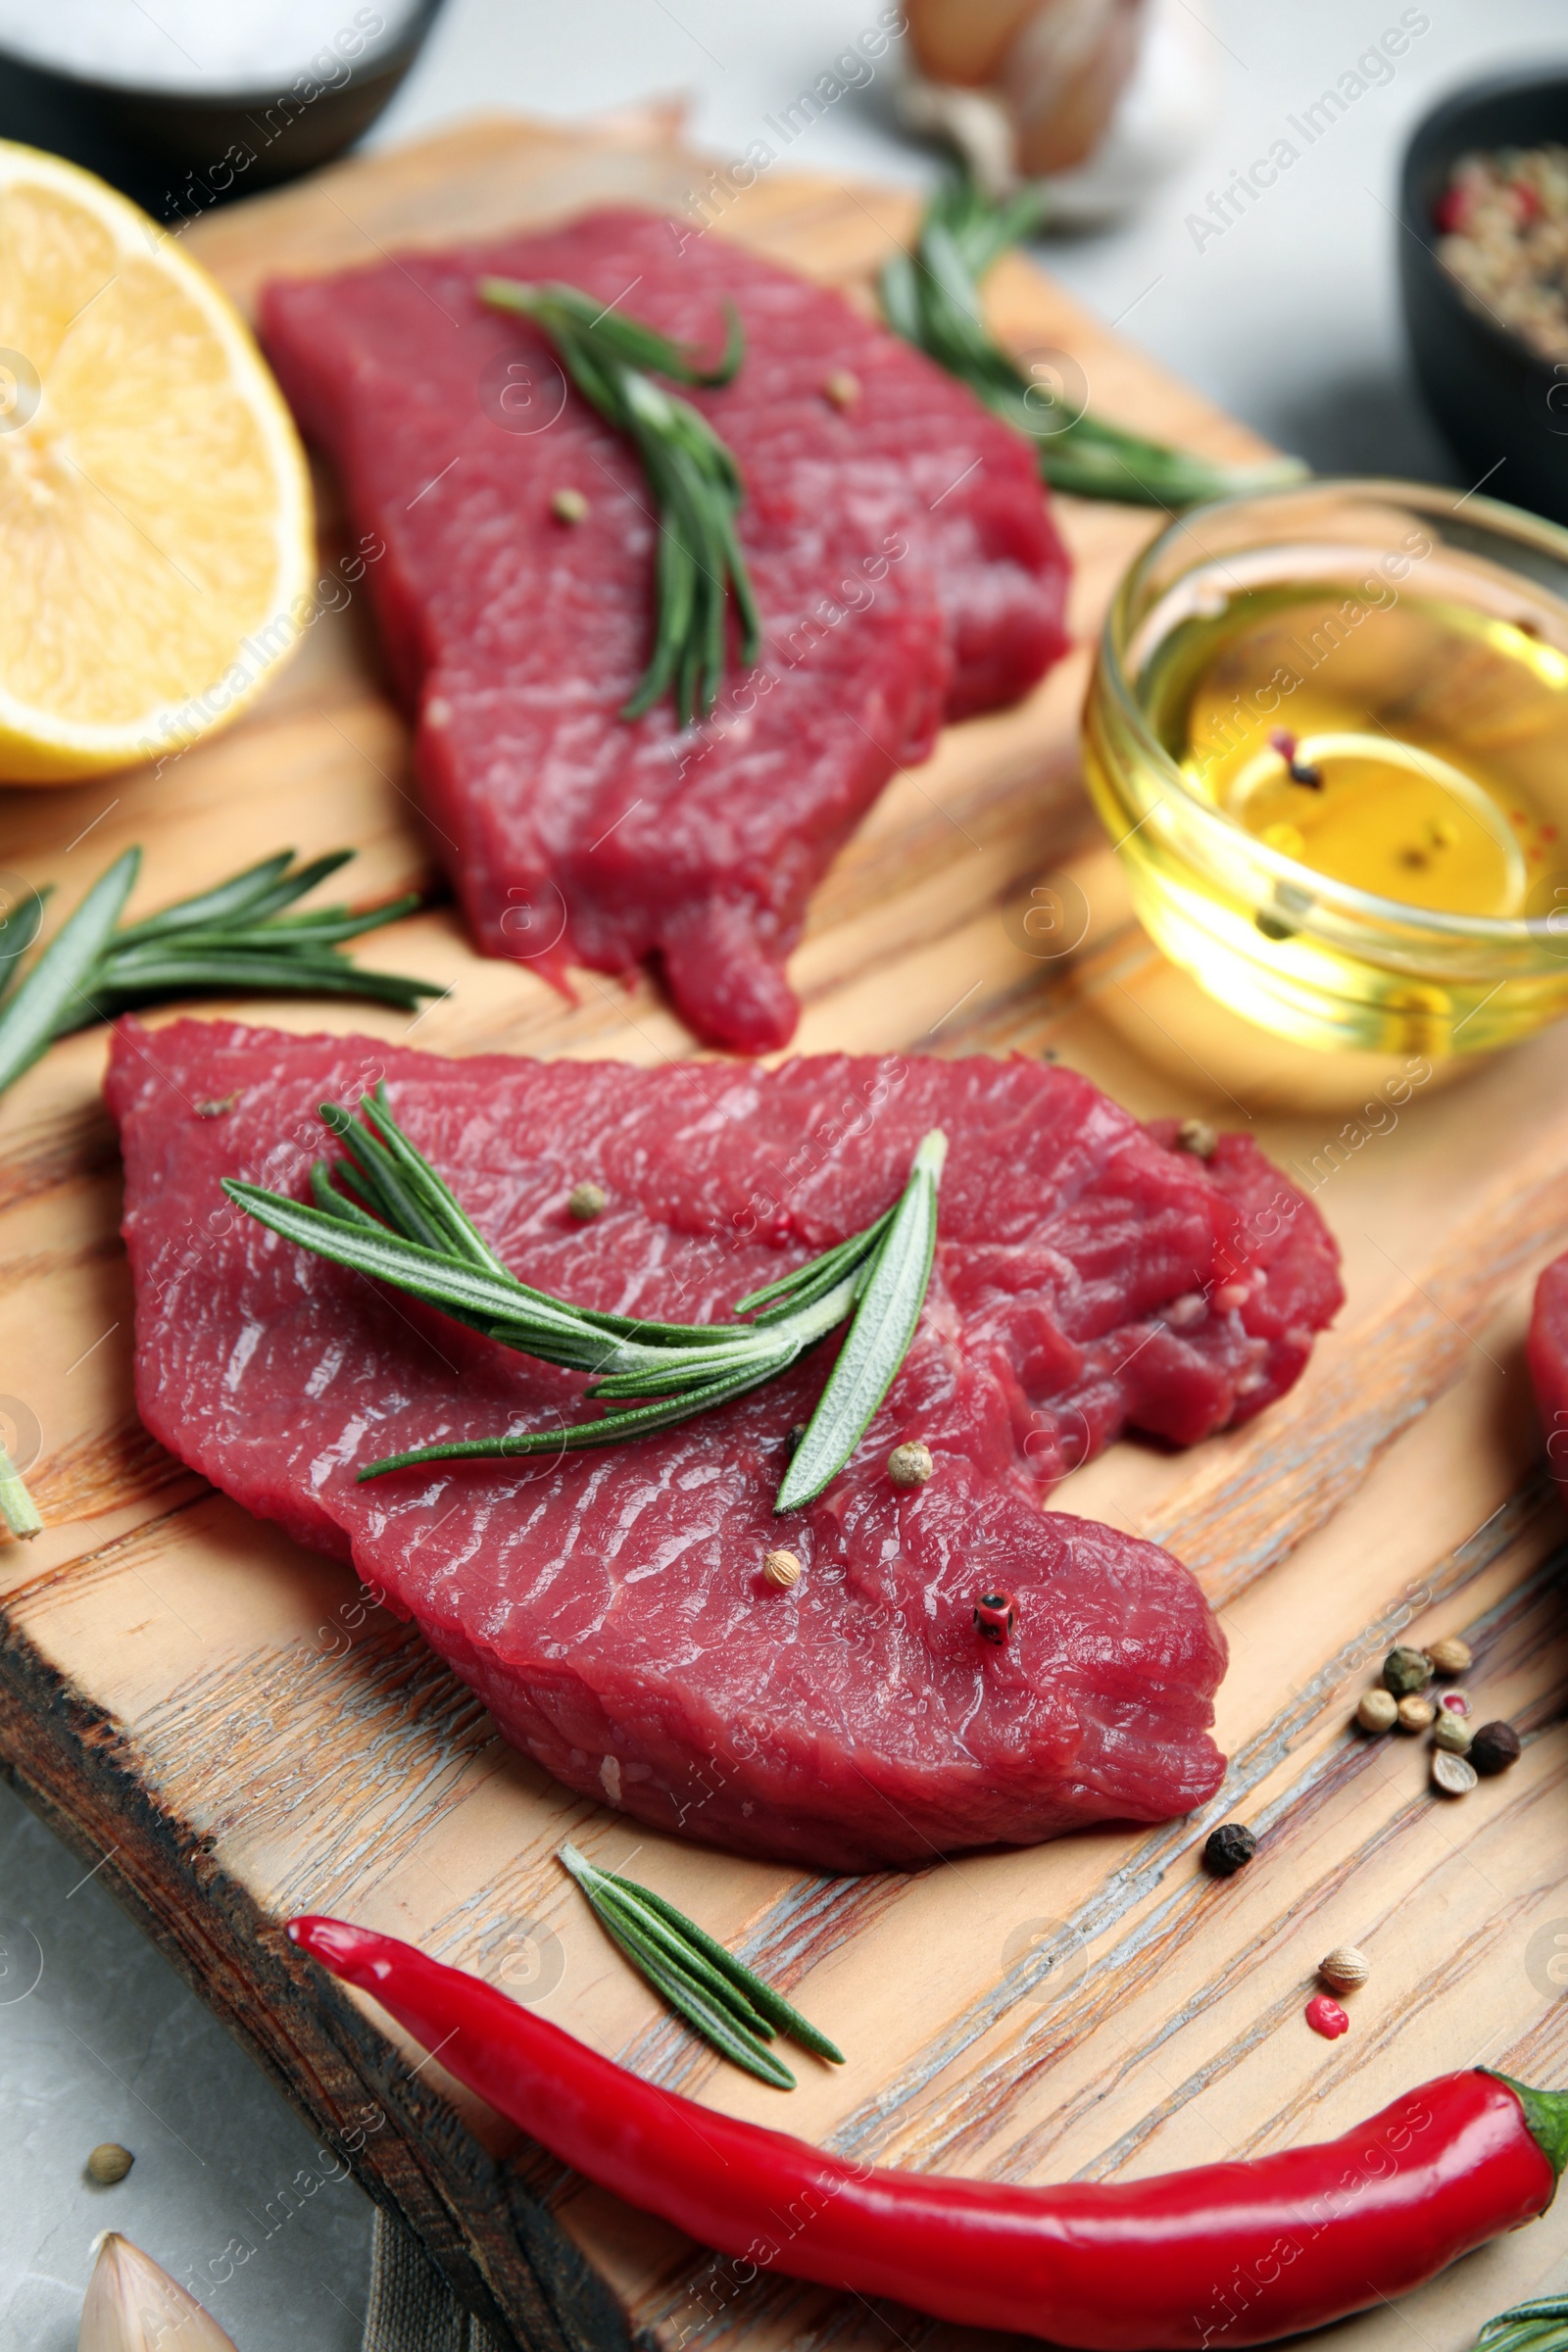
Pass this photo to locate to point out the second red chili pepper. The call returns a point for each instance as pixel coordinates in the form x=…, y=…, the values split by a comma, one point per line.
x=1230, y=2255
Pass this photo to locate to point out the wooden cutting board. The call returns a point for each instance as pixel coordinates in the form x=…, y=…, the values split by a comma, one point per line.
x=222, y=1720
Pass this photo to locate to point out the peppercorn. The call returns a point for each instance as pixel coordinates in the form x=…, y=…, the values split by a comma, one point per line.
x=910, y=1465
x=1378, y=1711
x=1450, y=1655
x=586, y=1201
x=1415, y=1714
x=782, y=1568
x=1453, y=1734
x=842, y=388
x=797, y=1431
x=1198, y=1138
x=1406, y=1670
x=1228, y=1848
x=1456, y=1775
x=1495, y=1748
x=1345, y=1968
x=996, y=1614
x=110, y=2163
x=570, y=506
x=1453, y=1703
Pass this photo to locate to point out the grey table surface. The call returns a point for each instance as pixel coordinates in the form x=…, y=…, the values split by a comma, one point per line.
x=1289, y=320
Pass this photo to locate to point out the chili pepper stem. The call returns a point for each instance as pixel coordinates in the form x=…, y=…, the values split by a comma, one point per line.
x=1547, y=2114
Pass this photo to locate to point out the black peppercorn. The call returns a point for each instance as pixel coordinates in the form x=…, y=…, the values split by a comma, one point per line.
x=1406, y=1671
x=1228, y=1848
x=1495, y=1748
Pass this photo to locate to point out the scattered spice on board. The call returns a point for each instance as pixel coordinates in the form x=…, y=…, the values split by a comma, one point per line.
x=1451, y=1731
x=1495, y=1748
x=1415, y=1713
x=1379, y=1711
x=1455, y=1702
x=1405, y=1671
x=1327, y=2018
x=1227, y=1848
x=1450, y=1655
x=1456, y=1775
x=1345, y=1968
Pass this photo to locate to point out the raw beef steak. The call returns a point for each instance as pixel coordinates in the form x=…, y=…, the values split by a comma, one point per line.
x=900, y=549
x=1549, y=1361
x=609, y=1607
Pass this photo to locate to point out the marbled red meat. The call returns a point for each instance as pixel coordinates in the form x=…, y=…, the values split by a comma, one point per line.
x=900, y=549
x=609, y=1607
x=1549, y=1361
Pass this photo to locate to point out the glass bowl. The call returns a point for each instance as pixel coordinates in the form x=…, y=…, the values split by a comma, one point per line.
x=1295, y=950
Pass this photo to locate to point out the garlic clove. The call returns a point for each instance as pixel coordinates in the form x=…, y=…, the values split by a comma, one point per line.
x=133, y=2306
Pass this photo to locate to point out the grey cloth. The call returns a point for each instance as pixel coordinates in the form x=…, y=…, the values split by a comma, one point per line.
x=412, y=2307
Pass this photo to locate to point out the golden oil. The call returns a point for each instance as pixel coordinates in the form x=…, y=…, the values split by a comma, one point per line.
x=1334, y=759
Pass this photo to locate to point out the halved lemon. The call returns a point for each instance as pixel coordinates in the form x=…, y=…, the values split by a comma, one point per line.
x=156, y=545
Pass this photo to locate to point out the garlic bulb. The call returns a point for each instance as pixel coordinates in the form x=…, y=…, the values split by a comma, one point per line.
x=132, y=2306
x=1099, y=99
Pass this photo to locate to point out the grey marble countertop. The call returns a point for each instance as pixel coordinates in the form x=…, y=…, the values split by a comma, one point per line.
x=1289, y=318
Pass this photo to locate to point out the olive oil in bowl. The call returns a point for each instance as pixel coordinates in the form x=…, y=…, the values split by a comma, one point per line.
x=1329, y=731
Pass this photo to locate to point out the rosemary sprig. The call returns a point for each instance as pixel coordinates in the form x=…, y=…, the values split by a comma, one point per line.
x=931, y=297
x=1539, y=2327
x=233, y=939
x=16, y=1508
x=612, y=359
x=718, y=1995
x=383, y=1212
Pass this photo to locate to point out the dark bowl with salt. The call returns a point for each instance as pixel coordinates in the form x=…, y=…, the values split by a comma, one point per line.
x=181, y=132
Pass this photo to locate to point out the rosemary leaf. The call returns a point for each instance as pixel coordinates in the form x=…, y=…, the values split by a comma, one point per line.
x=31, y=1016
x=878, y=1340
x=384, y=1212
x=697, y=487
x=17, y=1506
x=229, y=940
x=673, y=1951
x=931, y=298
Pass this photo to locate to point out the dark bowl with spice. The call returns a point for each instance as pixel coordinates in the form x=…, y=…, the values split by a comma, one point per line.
x=1502, y=403
x=179, y=151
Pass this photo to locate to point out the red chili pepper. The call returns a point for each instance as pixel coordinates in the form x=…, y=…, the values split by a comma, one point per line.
x=1230, y=2255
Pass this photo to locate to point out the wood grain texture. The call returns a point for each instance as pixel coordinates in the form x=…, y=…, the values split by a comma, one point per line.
x=243, y=1733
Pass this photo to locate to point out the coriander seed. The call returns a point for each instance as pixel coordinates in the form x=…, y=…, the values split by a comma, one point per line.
x=1227, y=1848
x=842, y=389
x=1456, y=1775
x=1495, y=1748
x=110, y=2163
x=586, y=1201
x=1406, y=1670
x=783, y=1569
x=1415, y=1714
x=570, y=506
x=1452, y=1733
x=1198, y=1138
x=910, y=1465
x=1450, y=1655
x=1379, y=1711
x=1345, y=1968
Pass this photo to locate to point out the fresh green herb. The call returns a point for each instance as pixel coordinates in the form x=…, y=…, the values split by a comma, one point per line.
x=1539, y=2327
x=706, y=1986
x=17, y=1506
x=612, y=359
x=931, y=297
x=396, y=1220
x=234, y=940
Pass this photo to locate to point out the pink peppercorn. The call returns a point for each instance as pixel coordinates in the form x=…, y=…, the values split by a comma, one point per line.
x=1327, y=2018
